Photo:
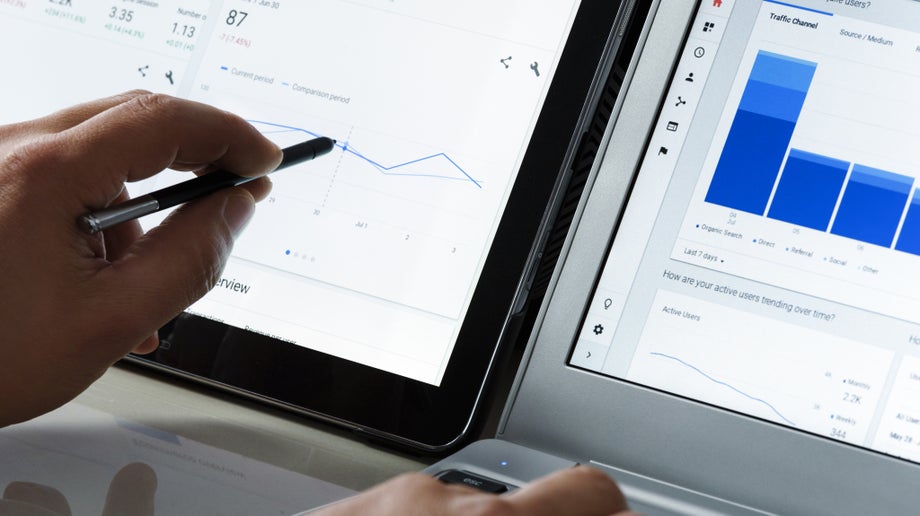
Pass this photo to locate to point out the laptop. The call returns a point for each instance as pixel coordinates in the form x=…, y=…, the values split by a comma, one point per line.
x=733, y=323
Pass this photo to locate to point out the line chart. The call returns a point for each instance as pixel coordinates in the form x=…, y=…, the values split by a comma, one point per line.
x=724, y=384
x=388, y=170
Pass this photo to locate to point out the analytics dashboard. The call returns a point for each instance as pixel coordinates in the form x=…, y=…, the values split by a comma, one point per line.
x=769, y=259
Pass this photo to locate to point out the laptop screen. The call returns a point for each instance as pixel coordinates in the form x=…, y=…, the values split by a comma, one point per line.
x=768, y=261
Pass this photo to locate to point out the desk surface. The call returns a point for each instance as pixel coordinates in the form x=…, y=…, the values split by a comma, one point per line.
x=206, y=449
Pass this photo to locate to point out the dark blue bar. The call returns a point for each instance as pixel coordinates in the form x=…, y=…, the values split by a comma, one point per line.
x=909, y=240
x=750, y=162
x=808, y=189
x=760, y=133
x=872, y=204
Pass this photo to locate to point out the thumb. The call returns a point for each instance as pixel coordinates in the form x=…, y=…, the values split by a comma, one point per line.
x=172, y=266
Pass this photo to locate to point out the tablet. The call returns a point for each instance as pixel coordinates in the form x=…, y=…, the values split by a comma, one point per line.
x=374, y=285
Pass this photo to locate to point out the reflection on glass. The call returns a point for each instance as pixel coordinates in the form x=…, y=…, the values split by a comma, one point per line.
x=77, y=460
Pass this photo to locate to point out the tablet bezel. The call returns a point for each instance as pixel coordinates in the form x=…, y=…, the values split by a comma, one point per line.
x=382, y=404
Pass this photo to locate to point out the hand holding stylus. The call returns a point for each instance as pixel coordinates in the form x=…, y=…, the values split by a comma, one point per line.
x=71, y=303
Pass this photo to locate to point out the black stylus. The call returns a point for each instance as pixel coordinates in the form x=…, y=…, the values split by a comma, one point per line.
x=195, y=188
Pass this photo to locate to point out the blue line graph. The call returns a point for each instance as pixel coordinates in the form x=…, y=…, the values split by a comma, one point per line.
x=388, y=170
x=719, y=382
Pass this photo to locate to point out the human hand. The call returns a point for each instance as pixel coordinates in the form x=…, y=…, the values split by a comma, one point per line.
x=131, y=491
x=580, y=491
x=72, y=304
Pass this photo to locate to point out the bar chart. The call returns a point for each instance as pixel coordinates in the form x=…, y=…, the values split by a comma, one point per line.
x=872, y=205
x=761, y=132
x=759, y=172
x=808, y=191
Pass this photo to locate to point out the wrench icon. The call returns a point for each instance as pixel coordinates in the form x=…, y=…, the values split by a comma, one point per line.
x=535, y=66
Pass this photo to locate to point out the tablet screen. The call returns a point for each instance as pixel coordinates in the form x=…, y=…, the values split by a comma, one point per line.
x=448, y=122
x=371, y=253
x=769, y=258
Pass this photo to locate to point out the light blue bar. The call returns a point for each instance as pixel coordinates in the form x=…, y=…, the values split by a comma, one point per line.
x=783, y=71
x=882, y=179
x=819, y=159
x=772, y=100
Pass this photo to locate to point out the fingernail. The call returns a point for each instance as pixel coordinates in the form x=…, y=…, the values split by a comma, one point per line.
x=237, y=211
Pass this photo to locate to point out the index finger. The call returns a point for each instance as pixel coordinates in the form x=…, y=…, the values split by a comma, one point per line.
x=61, y=120
x=580, y=490
x=148, y=133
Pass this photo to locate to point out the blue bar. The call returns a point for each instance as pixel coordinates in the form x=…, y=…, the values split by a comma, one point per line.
x=760, y=133
x=808, y=189
x=799, y=7
x=784, y=71
x=772, y=101
x=872, y=204
x=909, y=240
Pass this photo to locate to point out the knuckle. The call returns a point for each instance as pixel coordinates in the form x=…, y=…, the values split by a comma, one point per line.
x=136, y=93
x=235, y=123
x=153, y=104
x=11, y=132
x=214, y=253
x=129, y=95
x=28, y=159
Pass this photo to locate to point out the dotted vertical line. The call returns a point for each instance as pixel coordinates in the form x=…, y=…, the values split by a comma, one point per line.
x=335, y=172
